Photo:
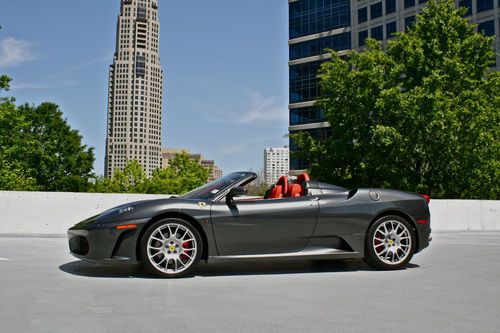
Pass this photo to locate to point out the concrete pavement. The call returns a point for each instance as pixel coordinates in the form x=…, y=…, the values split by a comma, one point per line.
x=453, y=286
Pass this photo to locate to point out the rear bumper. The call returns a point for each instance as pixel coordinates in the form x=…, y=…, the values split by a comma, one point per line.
x=424, y=238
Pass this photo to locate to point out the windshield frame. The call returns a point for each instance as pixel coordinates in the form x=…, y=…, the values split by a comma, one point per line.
x=242, y=177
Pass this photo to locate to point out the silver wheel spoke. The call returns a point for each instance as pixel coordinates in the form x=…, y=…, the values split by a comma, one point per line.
x=171, y=248
x=396, y=242
x=161, y=262
x=154, y=255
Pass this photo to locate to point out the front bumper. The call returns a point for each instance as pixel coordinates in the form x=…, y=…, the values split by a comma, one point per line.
x=104, y=244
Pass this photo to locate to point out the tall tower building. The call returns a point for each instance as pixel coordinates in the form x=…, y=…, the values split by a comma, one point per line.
x=134, y=121
x=342, y=25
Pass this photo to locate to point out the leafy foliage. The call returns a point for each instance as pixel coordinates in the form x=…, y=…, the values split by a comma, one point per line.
x=4, y=82
x=421, y=114
x=39, y=150
x=182, y=175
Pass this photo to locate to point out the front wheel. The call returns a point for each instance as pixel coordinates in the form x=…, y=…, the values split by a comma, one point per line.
x=390, y=243
x=171, y=248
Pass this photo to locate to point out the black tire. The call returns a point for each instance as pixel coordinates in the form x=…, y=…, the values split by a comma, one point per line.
x=400, y=250
x=166, y=226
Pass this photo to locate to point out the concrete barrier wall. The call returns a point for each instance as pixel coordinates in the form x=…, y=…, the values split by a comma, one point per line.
x=470, y=215
x=53, y=213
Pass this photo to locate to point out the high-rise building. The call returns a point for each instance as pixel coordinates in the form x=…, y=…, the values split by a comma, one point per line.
x=134, y=121
x=276, y=164
x=341, y=25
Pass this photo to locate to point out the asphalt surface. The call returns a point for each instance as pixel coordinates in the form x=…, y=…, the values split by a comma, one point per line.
x=453, y=286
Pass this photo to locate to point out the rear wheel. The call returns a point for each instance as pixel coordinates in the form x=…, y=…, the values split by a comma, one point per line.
x=171, y=248
x=390, y=243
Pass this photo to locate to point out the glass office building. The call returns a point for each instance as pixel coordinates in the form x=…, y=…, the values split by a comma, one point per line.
x=341, y=25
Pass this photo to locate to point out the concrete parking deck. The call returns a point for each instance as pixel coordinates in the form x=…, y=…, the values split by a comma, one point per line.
x=453, y=286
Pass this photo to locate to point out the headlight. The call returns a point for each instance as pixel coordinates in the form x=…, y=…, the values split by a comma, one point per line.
x=125, y=209
x=116, y=210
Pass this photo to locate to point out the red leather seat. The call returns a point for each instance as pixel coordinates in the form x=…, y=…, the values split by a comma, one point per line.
x=294, y=190
x=280, y=189
x=298, y=188
x=302, y=180
x=276, y=192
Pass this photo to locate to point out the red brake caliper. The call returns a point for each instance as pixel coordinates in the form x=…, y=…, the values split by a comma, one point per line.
x=184, y=246
x=377, y=242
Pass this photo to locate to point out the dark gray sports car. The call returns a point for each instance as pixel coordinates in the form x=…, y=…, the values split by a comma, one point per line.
x=302, y=220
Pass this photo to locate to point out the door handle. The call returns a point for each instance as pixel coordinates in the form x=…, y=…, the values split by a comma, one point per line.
x=314, y=199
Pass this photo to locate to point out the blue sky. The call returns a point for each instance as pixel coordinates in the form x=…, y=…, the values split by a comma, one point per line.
x=224, y=62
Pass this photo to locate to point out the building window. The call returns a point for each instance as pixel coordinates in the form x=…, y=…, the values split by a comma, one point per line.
x=409, y=3
x=377, y=32
x=310, y=17
x=390, y=28
x=376, y=10
x=304, y=82
x=141, y=12
x=483, y=5
x=362, y=35
x=315, y=47
x=409, y=22
x=467, y=4
x=487, y=28
x=306, y=116
x=422, y=1
x=390, y=6
x=362, y=14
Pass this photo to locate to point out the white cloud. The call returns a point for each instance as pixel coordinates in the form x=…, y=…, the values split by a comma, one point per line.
x=35, y=86
x=259, y=109
x=15, y=51
x=81, y=66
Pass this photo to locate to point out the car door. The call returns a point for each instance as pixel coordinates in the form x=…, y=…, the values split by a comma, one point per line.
x=264, y=226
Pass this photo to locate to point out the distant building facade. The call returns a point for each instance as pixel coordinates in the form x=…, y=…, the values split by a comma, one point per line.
x=169, y=153
x=343, y=25
x=276, y=164
x=134, y=117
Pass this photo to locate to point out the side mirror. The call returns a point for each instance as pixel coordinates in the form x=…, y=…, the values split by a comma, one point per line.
x=235, y=192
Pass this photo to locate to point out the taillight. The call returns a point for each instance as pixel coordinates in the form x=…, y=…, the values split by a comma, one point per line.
x=426, y=197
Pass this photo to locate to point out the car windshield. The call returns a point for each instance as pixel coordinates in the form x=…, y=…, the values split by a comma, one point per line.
x=210, y=189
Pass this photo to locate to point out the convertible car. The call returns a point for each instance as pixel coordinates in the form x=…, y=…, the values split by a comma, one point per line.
x=302, y=219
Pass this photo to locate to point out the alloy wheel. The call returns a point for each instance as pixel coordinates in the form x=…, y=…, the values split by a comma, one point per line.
x=392, y=242
x=172, y=248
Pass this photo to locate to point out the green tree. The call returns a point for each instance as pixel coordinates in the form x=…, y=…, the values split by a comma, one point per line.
x=13, y=175
x=37, y=142
x=181, y=175
x=38, y=149
x=421, y=114
x=4, y=82
x=131, y=180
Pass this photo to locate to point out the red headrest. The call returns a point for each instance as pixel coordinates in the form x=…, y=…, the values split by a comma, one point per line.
x=303, y=177
x=283, y=181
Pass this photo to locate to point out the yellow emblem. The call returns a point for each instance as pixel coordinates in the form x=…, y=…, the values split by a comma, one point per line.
x=202, y=204
x=171, y=248
x=391, y=242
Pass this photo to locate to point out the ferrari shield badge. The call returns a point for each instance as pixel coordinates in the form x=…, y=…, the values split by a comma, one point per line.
x=202, y=204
